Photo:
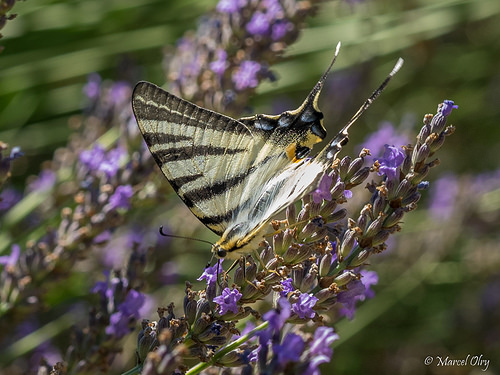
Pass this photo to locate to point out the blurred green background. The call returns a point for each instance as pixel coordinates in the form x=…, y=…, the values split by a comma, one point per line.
x=439, y=289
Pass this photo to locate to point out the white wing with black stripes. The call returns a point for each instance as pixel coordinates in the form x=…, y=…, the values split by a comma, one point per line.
x=234, y=175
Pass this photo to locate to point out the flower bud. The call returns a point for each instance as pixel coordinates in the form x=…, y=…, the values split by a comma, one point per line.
x=436, y=145
x=425, y=131
x=267, y=254
x=291, y=214
x=344, y=278
x=337, y=216
x=278, y=243
x=328, y=208
x=337, y=190
x=201, y=324
x=403, y=188
x=309, y=280
x=380, y=237
x=394, y=218
x=348, y=242
x=325, y=263
x=360, y=259
x=422, y=153
x=375, y=226
x=325, y=293
x=344, y=166
x=360, y=176
x=411, y=199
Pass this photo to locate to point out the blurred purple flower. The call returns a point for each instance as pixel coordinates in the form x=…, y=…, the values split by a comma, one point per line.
x=289, y=350
x=98, y=160
x=45, y=181
x=10, y=261
x=287, y=287
x=259, y=24
x=210, y=274
x=120, y=93
x=9, y=198
x=246, y=75
x=390, y=162
x=304, y=306
x=227, y=301
x=443, y=197
x=320, y=350
x=323, y=189
x=120, y=321
x=219, y=66
x=169, y=273
x=92, y=88
x=230, y=6
x=280, y=28
x=121, y=197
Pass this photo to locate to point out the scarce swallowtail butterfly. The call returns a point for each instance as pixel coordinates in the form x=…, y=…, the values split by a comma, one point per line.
x=234, y=175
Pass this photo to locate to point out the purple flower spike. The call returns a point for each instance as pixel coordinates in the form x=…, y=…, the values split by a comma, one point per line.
x=390, y=162
x=228, y=301
x=259, y=24
x=230, y=6
x=246, y=76
x=323, y=190
x=304, y=306
x=121, y=197
x=448, y=106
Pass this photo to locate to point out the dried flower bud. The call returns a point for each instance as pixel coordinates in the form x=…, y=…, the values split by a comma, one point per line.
x=344, y=278
x=267, y=254
x=201, y=324
x=325, y=263
x=344, y=166
x=348, y=242
x=354, y=167
x=359, y=176
x=337, y=216
x=328, y=208
x=375, y=226
x=337, y=190
x=278, y=243
x=360, y=259
x=394, y=218
x=291, y=214
x=380, y=237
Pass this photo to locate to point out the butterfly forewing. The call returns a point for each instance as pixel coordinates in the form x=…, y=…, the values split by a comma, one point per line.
x=216, y=164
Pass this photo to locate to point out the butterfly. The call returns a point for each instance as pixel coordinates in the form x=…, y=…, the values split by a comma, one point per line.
x=235, y=174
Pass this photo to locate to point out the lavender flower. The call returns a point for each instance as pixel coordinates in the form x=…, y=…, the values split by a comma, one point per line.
x=289, y=350
x=259, y=24
x=320, y=350
x=391, y=161
x=121, y=197
x=119, y=322
x=9, y=261
x=230, y=6
x=444, y=193
x=287, y=287
x=323, y=189
x=304, y=306
x=448, y=106
x=227, y=301
x=5, y=162
x=246, y=76
x=210, y=274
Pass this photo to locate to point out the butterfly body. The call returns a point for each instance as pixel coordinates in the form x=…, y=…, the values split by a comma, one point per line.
x=234, y=175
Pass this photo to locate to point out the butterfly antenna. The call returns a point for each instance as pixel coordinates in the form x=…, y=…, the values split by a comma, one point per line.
x=317, y=88
x=342, y=137
x=183, y=237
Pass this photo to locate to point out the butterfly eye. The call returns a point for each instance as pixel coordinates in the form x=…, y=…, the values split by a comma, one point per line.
x=221, y=253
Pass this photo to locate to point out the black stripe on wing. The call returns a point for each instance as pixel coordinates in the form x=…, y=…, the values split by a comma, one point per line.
x=189, y=152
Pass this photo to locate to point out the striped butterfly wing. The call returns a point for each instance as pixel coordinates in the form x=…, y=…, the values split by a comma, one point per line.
x=216, y=164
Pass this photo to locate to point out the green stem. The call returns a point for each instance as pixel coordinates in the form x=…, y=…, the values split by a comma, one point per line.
x=203, y=365
x=133, y=371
